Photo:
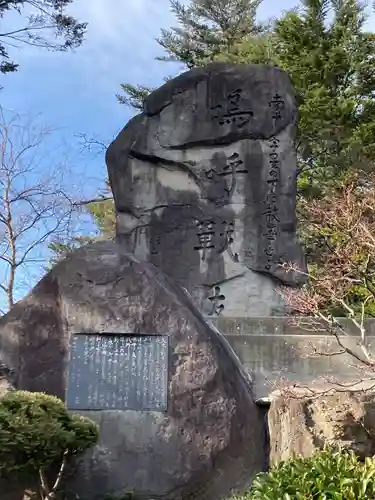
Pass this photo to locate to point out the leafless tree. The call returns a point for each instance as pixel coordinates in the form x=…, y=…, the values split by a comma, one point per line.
x=342, y=279
x=35, y=203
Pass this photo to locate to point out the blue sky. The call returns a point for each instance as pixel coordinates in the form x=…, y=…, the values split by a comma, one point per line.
x=75, y=92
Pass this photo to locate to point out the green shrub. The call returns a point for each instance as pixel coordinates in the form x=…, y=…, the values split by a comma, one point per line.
x=36, y=432
x=327, y=475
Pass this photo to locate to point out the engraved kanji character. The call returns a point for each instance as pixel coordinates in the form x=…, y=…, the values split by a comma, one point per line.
x=271, y=197
x=273, y=181
x=215, y=299
x=274, y=143
x=277, y=104
x=274, y=173
x=231, y=112
x=235, y=162
x=271, y=233
x=272, y=220
x=271, y=208
x=205, y=235
x=234, y=99
x=234, y=165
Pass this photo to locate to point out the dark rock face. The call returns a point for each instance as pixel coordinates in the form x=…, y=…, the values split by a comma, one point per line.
x=204, y=182
x=210, y=439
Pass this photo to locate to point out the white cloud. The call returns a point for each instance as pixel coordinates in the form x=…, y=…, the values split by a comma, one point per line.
x=119, y=47
x=120, y=44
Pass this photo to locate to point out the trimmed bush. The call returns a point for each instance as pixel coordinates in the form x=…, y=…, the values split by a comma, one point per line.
x=327, y=475
x=36, y=432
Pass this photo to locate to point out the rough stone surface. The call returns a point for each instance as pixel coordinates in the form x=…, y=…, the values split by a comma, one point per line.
x=6, y=380
x=204, y=182
x=300, y=426
x=209, y=440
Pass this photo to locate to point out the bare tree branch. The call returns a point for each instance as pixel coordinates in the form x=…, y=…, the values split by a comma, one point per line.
x=92, y=200
x=59, y=477
x=51, y=493
x=35, y=203
x=342, y=277
x=91, y=144
x=31, y=28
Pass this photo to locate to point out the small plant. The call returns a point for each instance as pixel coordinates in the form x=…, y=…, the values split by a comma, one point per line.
x=327, y=475
x=37, y=432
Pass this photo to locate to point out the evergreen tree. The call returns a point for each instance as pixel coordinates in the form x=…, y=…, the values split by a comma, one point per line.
x=133, y=95
x=209, y=29
x=43, y=23
x=103, y=212
x=206, y=31
x=332, y=70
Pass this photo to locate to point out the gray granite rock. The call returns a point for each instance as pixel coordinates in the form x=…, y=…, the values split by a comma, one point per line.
x=204, y=182
x=208, y=441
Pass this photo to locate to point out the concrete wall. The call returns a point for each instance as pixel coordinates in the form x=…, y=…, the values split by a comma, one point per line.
x=273, y=349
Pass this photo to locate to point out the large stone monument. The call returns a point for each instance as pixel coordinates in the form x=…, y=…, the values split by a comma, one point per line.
x=126, y=347
x=204, y=182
